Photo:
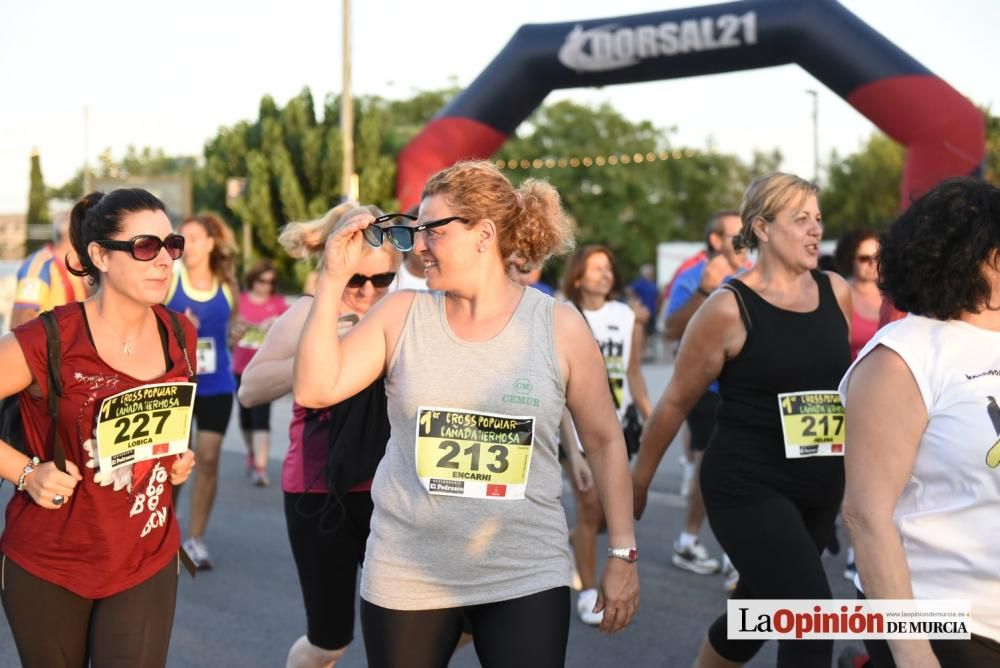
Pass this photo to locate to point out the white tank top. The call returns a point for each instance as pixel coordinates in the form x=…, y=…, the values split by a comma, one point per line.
x=612, y=325
x=948, y=515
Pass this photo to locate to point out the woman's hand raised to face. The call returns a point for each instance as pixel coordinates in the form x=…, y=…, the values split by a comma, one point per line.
x=344, y=249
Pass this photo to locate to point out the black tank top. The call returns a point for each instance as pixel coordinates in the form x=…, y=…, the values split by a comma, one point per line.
x=785, y=351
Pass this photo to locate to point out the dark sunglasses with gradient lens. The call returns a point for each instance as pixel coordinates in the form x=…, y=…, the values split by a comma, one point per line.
x=378, y=280
x=146, y=247
x=401, y=236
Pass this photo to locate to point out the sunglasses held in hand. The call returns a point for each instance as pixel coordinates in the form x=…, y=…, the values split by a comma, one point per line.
x=145, y=247
x=401, y=236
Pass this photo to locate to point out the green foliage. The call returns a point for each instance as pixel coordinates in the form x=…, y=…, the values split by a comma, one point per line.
x=38, y=207
x=863, y=189
x=628, y=207
x=991, y=170
x=292, y=161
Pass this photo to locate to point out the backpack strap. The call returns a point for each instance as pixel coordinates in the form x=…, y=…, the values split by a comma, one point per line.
x=175, y=324
x=54, y=353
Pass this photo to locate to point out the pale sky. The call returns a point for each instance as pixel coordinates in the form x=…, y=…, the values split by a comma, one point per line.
x=168, y=75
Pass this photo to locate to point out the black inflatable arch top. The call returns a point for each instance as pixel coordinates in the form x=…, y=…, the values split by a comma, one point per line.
x=944, y=133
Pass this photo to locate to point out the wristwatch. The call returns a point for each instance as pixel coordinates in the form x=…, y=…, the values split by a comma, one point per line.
x=629, y=554
x=28, y=468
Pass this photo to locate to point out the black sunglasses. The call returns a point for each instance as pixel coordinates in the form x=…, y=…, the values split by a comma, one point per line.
x=401, y=236
x=378, y=280
x=146, y=247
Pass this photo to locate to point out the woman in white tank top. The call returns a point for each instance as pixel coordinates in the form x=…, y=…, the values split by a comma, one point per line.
x=589, y=281
x=467, y=521
x=923, y=425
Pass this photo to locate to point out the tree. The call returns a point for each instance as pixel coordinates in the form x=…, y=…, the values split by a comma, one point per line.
x=146, y=161
x=38, y=207
x=630, y=203
x=863, y=188
x=991, y=170
x=291, y=160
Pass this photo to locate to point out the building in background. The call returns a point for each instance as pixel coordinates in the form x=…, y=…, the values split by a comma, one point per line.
x=13, y=233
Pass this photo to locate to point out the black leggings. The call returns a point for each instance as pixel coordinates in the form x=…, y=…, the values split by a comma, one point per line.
x=775, y=544
x=54, y=627
x=328, y=537
x=526, y=632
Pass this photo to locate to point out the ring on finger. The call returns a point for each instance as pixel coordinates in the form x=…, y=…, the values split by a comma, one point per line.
x=58, y=499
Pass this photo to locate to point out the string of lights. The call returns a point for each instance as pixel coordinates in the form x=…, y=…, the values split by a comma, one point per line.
x=600, y=160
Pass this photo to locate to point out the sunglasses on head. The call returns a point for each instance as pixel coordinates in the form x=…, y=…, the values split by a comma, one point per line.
x=401, y=236
x=378, y=280
x=146, y=247
x=865, y=259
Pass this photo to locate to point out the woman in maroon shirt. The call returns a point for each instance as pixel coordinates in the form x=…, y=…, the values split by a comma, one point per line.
x=90, y=555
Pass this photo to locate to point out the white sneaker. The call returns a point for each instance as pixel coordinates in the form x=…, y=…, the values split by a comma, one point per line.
x=687, y=475
x=585, y=607
x=695, y=559
x=195, y=547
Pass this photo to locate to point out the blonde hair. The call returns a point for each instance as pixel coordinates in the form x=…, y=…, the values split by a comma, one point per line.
x=307, y=239
x=764, y=198
x=531, y=224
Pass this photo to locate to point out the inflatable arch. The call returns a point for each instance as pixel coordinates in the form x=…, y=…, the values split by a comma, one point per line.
x=944, y=132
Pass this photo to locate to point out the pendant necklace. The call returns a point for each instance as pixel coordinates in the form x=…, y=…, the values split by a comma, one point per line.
x=126, y=348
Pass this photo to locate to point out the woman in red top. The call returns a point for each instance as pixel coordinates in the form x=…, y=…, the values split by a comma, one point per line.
x=856, y=257
x=259, y=307
x=90, y=555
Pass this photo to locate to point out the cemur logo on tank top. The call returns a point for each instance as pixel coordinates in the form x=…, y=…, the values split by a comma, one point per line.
x=522, y=394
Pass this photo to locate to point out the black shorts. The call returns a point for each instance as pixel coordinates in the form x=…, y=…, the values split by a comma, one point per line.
x=701, y=420
x=212, y=413
x=257, y=418
x=328, y=543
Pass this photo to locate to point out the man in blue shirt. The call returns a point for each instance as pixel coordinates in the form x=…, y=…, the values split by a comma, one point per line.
x=644, y=287
x=690, y=289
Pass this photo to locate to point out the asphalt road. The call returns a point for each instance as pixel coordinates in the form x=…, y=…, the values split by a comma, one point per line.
x=248, y=611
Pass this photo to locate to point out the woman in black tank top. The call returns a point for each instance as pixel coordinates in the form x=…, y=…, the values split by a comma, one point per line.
x=777, y=340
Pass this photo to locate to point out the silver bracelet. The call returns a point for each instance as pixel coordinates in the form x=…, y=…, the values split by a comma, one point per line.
x=28, y=468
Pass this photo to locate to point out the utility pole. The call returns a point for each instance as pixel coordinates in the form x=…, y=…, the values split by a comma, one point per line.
x=815, y=115
x=350, y=181
x=86, y=150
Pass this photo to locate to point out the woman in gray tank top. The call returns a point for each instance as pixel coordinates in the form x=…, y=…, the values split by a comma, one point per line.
x=468, y=521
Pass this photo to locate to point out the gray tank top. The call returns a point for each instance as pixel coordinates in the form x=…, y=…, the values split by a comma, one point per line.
x=467, y=497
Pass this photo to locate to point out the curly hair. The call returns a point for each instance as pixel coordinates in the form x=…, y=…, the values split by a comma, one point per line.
x=765, y=197
x=576, y=267
x=931, y=258
x=531, y=224
x=847, y=248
